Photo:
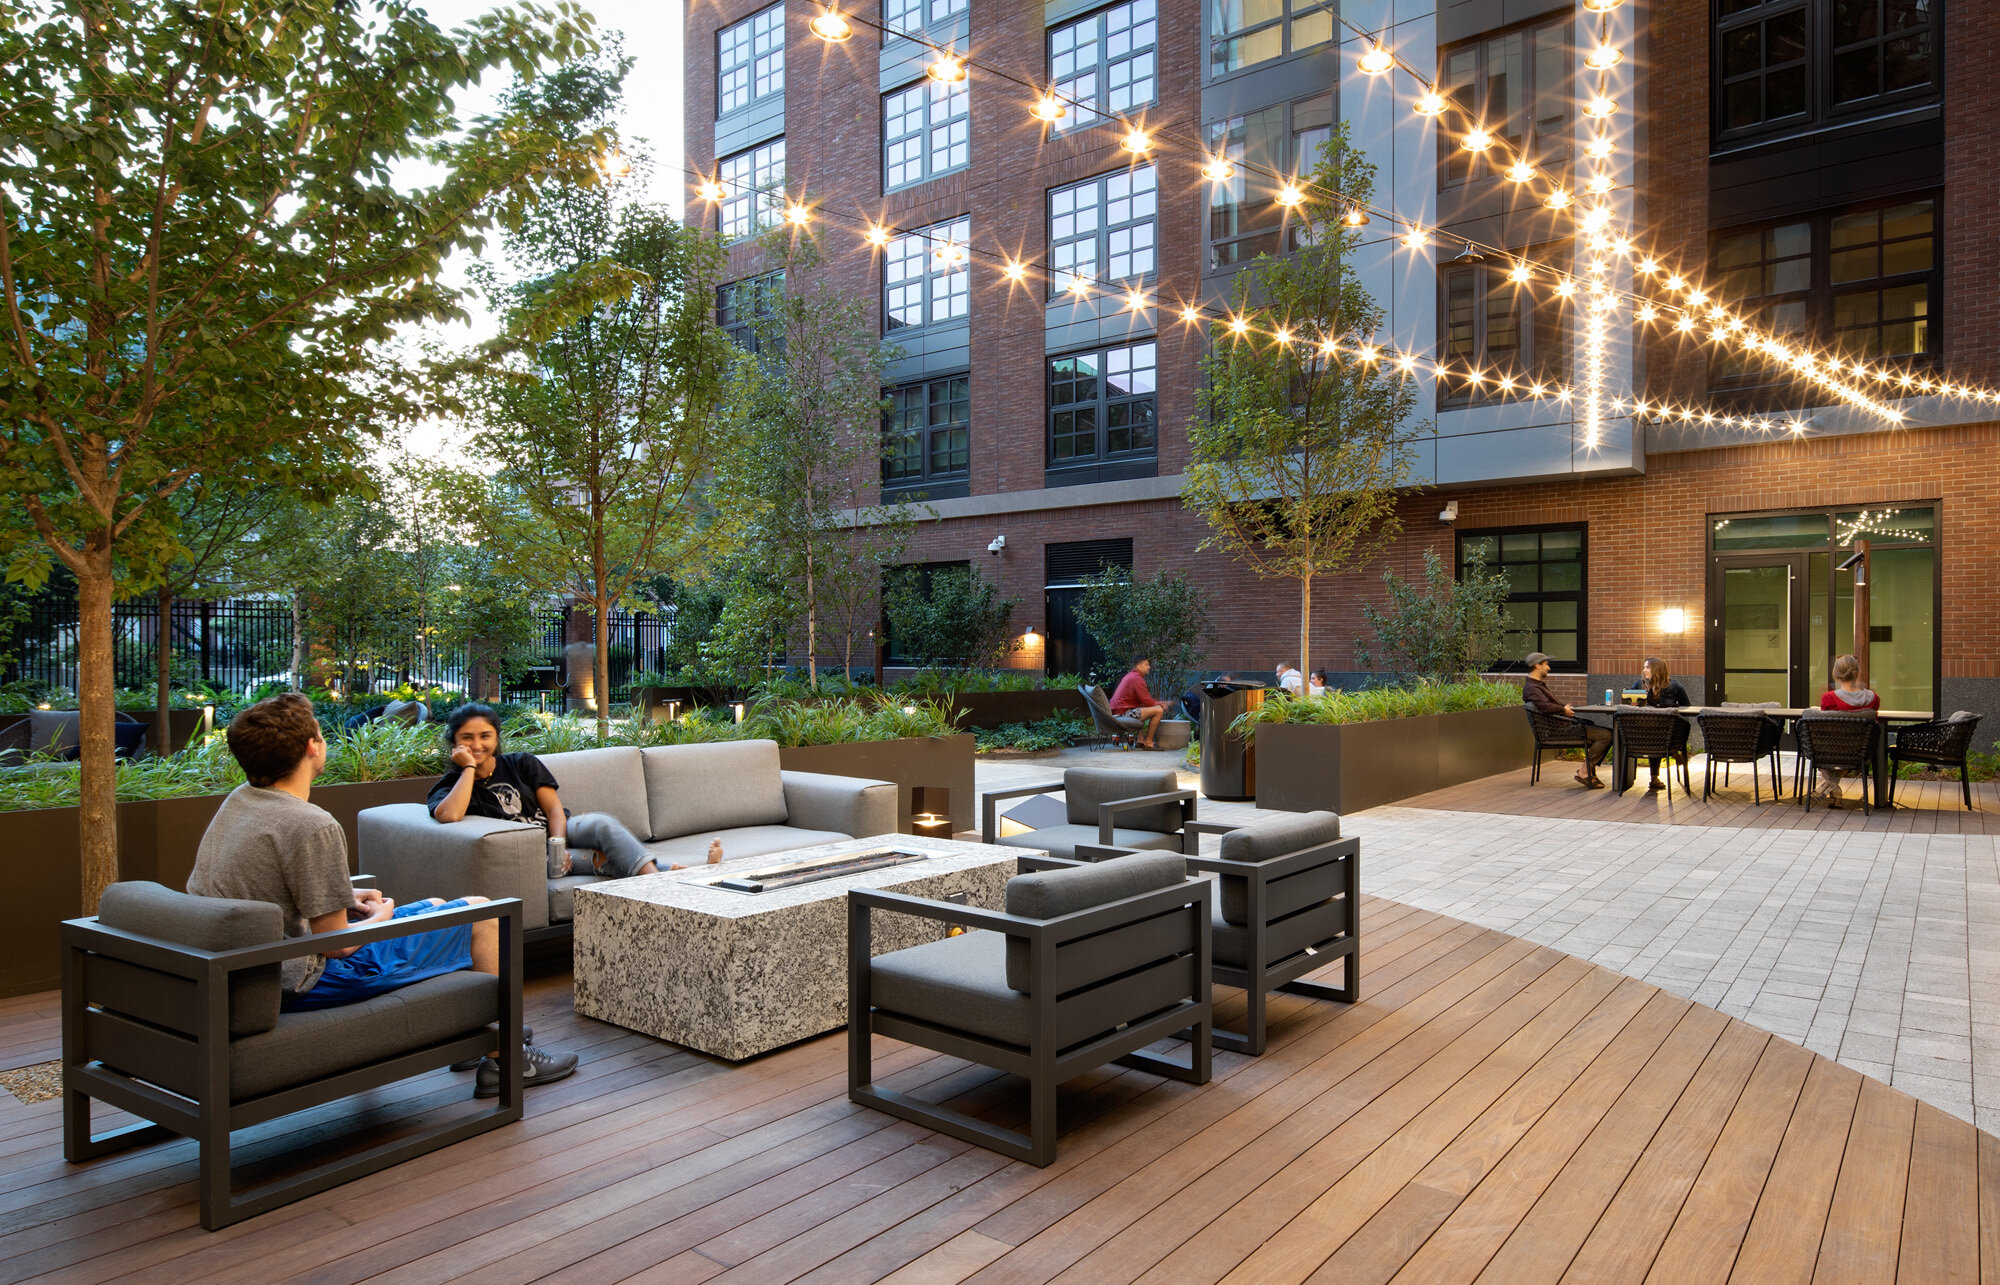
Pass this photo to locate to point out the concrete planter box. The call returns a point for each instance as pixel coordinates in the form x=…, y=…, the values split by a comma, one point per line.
x=939, y=760
x=1349, y=767
x=157, y=840
x=997, y=709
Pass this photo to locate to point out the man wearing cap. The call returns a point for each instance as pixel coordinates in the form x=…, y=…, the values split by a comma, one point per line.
x=1535, y=691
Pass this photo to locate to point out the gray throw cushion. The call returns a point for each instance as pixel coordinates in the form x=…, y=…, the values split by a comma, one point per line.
x=609, y=780
x=1266, y=840
x=692, y=789
x=313, y=1045
x=1962, y=716
x=1062, y=840
x=56, y=731
x=1051, y=894
x=205, y=923
x=1084, y=788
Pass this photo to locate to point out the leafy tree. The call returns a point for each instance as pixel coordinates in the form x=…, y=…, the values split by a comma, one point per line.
x=202, y=249
x=810, y=405
x=1164, y=618
x=1446, y=628
x=599, y=406
x=1302, y=442
x=951, y=617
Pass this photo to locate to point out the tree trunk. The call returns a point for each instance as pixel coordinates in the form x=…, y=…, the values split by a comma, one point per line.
x=812, y=626
x=97, y=818
x=298, y=640
x=601, y=697
x=1305, y=632
x=163, y=649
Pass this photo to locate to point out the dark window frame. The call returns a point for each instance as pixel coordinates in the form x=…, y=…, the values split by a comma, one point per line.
x=957, y=124
x=1104, y=108
x=930, y=481
x=1103, y=235
x=1268, y=227
x=764, y=201
x=745, y=328
x=939, y=280
x=1514, y=664
x=1291, y=14
x=752, y=35
x=1732, y=18
x=1527, y=132
x=1537, y=357
x=1102, y=408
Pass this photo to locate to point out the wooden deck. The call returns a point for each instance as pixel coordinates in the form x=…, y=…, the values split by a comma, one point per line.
x=1494, y=1111
x=1922, y=807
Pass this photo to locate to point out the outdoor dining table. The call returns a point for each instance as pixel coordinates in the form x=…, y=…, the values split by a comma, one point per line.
x=1620, y=782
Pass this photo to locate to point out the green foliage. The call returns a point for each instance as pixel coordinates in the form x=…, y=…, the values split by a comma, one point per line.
x=1377, y=704
x=1445, y=628
x=1164, y=618
x=958, y=619
x=938, y=682
x=1052, y=733
x=1298, y=455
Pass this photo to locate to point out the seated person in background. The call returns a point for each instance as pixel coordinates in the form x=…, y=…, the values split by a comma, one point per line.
x=268, y=842
x=1847, y=696
x=1535, y=691
x=1135, y=698
x=483, y=782
x=1317, y=687
x=1289, y=677
x=1664, y=692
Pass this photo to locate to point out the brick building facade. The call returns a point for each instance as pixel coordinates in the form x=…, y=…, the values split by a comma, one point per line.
x=1661, y=514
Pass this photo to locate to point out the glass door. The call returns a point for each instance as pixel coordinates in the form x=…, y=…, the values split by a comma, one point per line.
x=1757, y=647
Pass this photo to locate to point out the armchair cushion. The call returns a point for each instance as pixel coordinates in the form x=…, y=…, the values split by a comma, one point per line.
x=1267, y=840
x=717, y=785
x=205, y=923
x=959, y=983
x=312, y=1045
x=414, y=855
x=57, y=731
x=608, y=780
x=1085, y=789
x=1050, y=894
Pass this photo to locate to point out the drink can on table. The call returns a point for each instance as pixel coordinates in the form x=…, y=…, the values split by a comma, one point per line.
x=1610, y=696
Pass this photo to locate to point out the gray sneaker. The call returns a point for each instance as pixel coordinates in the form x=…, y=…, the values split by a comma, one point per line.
x=538, y=1067
x=472, y=1063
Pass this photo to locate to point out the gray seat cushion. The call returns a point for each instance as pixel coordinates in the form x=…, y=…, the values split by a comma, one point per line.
x=743, y=841
x=1051, y=894
x=562, y=896
x=1086, y=788
x=1267, y=840
x=958, y=983
x=1062, y=840
x=205, y=923
x=608, y=780
x=313, y=1045
x=725, y=785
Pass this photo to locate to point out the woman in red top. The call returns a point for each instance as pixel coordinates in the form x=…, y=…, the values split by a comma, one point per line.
x=1847, y=696
x=1134, y=697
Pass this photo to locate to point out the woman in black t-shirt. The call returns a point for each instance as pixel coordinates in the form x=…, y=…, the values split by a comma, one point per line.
x=484, y=782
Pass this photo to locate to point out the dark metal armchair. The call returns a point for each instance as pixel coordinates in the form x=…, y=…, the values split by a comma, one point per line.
x=1945, y=742
x=1104, y=806
x=1119, y=729
x=170, y=1010
x=1087, y=965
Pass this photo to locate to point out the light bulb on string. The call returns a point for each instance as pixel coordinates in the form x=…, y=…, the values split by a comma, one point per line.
x=798, y=213
x=831, y=27
x=1355, y=217
x=949, y=253
x=1521, y=172
x=1015, y=270
x=1429, y=103
x=1477, y=139
x=1135, y=301
x=1239, y=325
x=1078, y=286
x=946, y=69
x=1600, y=108
x=1218, y=170
x=709, y=190
x=1137, y=142
x=1047, y=108
x=1558, y=199
x=1282, y=337
x=1650, y=266
x=1416, y=239
x=1646, y=312
x=1566, y=288
x=1191, y=315
x=1677, y=282
x=1599, y=184
x=1520, y=274
x=1601, y=6
x=1377, y=61
x=1599, y=149
x=877, y=234
x=1602, y=58
x=1289, y=195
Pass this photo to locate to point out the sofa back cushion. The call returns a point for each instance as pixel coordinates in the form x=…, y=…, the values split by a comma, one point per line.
x=1085, y=788
x=205, y=923
x=716, y=785
x=54, y=729
x=609, y=780
x=1050, y=894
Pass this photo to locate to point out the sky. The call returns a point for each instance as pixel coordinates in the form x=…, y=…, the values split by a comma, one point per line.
x=652, y=34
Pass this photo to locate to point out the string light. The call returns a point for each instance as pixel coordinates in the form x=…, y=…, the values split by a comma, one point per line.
x=1239, y=325
x=1477, y=139
x=949, y=253
x=831, y=27
x=1135, y=301
x=1558, y=200
x=1191, y=315
x=1416, y=239
x=1430, y=103
x=877, y=234
x=1079, y=286
x=946, y=69
x=1136, y=142
x=1282, y=337
x=1289, y=195
x=1600, y=108
x=709, y=190
x=1218, y=170
x=1598, y=184
x=1355, y=217
x=1520, y=275
x=1602, y=58
x=1377, y=61
x=1601, y=6
x=1048, y=109
x=798, y=213
x=1599, y=149
x=1521, y=172
x=1015, y=270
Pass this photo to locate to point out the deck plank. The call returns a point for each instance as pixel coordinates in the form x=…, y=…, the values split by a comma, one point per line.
x=1941, y=1215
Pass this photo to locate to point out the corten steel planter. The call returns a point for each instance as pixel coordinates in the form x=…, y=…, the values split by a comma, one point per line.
x=997, y=709
x=1349, y=767
x=157, y=840
x=914, y=761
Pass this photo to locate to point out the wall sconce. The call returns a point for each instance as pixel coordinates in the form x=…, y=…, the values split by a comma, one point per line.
x=1031, y=639
x=1673, y=620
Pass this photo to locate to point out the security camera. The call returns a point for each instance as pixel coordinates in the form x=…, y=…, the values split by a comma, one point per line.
x=1450, y=513
x=999, y=543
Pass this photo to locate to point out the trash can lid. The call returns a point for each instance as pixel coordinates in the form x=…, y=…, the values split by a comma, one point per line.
x=1218, y=687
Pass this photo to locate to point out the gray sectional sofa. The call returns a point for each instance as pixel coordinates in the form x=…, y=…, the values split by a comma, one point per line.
x=675, y=798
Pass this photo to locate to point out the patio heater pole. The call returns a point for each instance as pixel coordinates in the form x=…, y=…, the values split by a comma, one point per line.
x=1861, y=647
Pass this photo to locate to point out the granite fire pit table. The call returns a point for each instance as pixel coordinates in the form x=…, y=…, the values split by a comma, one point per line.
x=738, y=973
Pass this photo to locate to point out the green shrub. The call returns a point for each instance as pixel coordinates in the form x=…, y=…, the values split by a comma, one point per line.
x=942, y=682
x=1378, y=704
x=1052, y=733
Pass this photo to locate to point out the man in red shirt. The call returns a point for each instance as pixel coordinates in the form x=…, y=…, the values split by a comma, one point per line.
x=1133, y=697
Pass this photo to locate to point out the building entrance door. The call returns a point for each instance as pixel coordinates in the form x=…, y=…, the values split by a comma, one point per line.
x=1756, y=646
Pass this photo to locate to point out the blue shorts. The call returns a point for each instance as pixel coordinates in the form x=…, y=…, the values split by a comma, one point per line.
x=384, y=966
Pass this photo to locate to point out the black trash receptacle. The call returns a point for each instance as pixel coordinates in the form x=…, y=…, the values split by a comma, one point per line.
x=1228, y=762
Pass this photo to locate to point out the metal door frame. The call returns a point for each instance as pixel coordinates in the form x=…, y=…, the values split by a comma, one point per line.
x=1797, y=565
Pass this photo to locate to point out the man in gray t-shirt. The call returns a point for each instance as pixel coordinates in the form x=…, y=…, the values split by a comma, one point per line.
x=267, y=845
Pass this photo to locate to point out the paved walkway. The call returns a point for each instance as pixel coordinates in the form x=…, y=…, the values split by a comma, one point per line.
x=1876, y=949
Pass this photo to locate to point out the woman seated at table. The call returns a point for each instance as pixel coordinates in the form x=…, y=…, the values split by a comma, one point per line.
x=1662, y=691
x=1846, y=696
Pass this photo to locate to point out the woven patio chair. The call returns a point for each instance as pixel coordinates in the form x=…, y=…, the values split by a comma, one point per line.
x=1943, y=742
x=1654, y=734
x=1845, y=741
x=1553, y=732
x=1740, y=737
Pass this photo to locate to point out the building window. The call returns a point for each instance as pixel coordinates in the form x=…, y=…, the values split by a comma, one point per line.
x=1516, y=84
x=1103, y=229
x=750, y=60
x=1544, y=567
x=927, y=434
x=1107, y=60
x=1493, y=326
x=1244, y=219
x=1783, y=65
x=916, y=15
x=925, y=276
x=925, y=132
x=753, y=185
x=741, y=308
x=1243, y=33
x=1102, y=405
x=1864, y=283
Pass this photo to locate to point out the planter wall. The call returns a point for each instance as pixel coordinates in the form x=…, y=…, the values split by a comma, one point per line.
x=157, y=840
x=940, y=760
x=997, y=709
x=1353, y=766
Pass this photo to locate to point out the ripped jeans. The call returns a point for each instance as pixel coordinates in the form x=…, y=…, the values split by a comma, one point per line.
x=623, y=854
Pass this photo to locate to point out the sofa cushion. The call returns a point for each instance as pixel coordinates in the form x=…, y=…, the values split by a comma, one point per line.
x=609, y=780
x=1085, y=788
x=321, y=1042
x=1051, y=894
x=205, y=923
x=717, y=785
x=742, y=841
x=956, y=983
x=562, y=896
x=1062, y=840
x=1267, y=839
x=54, y=731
